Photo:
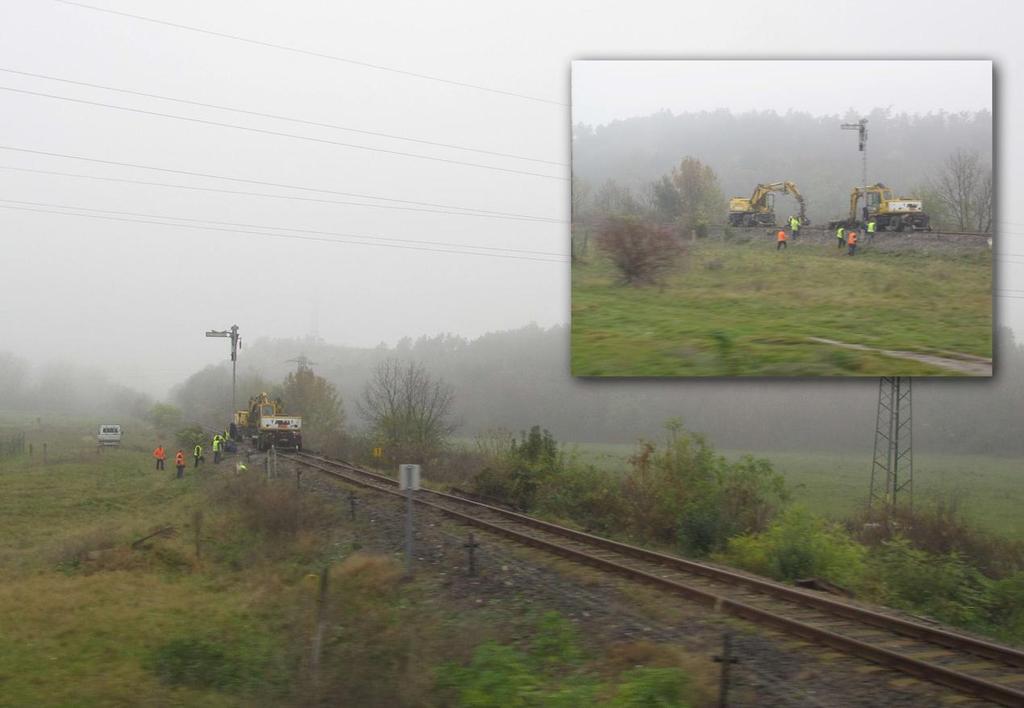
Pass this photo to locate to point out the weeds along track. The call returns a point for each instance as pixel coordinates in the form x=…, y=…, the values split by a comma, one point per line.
x=967, y=664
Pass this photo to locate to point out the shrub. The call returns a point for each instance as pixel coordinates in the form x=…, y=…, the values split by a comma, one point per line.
x=553, y=672
x=687, y=495
x=945, y=586
x=639, y=250
x=191, y=436
x=652, y=687
x=940, y=528
x=800, y=545
x=198, y=663
x=1006, y=607
x=517, y=469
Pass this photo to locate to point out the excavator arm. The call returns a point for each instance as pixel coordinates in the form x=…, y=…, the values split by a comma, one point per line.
x=759, y=198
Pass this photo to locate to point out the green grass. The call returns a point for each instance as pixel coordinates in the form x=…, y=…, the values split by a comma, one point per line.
x=84, y=632
x=989, y=490
x=743, y=309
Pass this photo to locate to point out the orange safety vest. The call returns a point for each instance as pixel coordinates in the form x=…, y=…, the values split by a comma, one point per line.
x=781, y=236
x=852, y=238
x=179, y=459
x=159, y=453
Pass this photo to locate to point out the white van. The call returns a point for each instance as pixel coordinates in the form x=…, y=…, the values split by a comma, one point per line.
x=110, y=434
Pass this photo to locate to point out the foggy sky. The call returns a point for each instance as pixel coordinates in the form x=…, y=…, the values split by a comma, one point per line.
x=603, y=90
x=135, y=298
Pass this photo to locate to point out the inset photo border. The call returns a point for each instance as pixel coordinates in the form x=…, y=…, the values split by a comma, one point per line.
x=765, y=218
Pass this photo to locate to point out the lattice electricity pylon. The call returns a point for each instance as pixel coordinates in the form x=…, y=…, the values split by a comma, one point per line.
x=892, y=470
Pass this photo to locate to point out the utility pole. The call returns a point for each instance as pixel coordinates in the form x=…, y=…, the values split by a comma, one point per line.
x=236, y=344
x=892, y=467
x=301, y=362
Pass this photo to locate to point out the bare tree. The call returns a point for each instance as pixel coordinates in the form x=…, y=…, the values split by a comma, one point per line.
x=408, y=409
x=983, y=210
x=964, y=186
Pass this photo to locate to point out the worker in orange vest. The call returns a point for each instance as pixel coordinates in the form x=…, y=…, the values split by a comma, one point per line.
x=179, y=462
x=780, y=239
x=851, y=241
x=160, y=456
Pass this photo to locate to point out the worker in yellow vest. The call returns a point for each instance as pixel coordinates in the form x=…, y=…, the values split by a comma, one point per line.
x=794, y=226
x=840, y=236
x=217, y=442
x=871, y=229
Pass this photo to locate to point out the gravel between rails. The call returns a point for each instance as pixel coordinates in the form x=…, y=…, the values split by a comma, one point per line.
x=773, y=669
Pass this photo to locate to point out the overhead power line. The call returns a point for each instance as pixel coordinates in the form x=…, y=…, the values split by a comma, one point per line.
x=290, y=119
x=289, y=197
x=281, y=228
x=277, y=133
x=285, y=236
x=321, y=55
x=271, y=184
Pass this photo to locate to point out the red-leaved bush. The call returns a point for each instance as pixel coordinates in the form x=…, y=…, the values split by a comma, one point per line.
x=640, y=250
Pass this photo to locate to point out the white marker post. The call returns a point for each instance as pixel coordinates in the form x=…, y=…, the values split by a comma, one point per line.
x=409, y=480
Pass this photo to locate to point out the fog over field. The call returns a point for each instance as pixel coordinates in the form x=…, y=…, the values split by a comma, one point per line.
x=108, y=272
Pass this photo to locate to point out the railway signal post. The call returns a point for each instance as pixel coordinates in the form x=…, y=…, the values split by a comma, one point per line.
x=409, y=480
x=236, y=344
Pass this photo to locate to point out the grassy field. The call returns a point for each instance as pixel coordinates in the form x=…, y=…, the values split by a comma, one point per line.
x=743, y=309
x=85, y=619
x=989, y=490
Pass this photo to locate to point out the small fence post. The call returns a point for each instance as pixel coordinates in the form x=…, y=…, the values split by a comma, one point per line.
x=298, y=479
x=318, y=631
x=197, y=523
x=471, y=547
x=44, y=453
x=726, y=660
x=352, y=501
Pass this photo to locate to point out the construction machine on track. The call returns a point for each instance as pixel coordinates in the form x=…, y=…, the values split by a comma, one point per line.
x=889, y=212
x=759, y=209
x=266, y=425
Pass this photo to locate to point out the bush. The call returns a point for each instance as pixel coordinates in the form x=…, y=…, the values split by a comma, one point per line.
x=639, y=250
x=191, y=436
x=800, y=545
x=652, y=687
x=945, y=587
x=517, y=469
x=686, y=495
x=940, y=528
x=1006, y=608
x=198, y=663
x=553, y=671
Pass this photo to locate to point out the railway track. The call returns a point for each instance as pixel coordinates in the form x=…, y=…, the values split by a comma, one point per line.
x=966, y=664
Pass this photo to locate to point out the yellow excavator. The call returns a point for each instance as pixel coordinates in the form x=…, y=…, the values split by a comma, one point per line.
x=759, y=209
x=890, y=213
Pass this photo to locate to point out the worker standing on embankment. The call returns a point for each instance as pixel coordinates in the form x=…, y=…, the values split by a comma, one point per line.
x=780, y=239
x=840, y=236
x=160, y=454
x=197, y=455
x=216, y=449
x=851, y=241
x=794, y=226
x=179, y=462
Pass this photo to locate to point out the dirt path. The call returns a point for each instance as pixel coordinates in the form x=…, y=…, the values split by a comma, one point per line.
x=966, y=364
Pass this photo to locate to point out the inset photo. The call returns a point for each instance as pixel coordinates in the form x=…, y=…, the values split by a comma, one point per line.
x=782, y=218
